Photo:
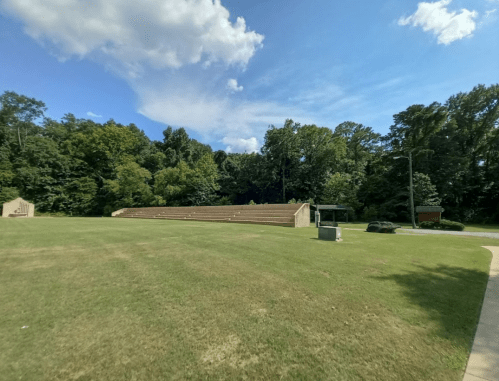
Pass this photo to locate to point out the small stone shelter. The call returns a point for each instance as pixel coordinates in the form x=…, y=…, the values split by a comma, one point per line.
x=429, y=213
x=18, y=208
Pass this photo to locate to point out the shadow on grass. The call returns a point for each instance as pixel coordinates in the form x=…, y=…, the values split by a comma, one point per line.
x=452, y=297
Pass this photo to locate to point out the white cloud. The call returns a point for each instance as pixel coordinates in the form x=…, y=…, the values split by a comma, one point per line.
x=212, y=115
x=90, y=113
x=232, y=85
x=167, y=52
x=488, y=13
x=448, y=26
x=241, y=145
x=161, y=33
x=321, y=94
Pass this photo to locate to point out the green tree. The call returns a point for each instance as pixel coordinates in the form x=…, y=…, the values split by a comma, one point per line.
x=425, y=193
x=19, y=112
x=185, y=185
x=413, y=128
x=130, y=188
x=339, y=190
x=282, y=151
x=79, y=197
x=321, y=154
x=105, y=148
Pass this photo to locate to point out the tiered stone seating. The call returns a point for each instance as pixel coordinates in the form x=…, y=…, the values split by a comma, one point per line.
x=293, y=215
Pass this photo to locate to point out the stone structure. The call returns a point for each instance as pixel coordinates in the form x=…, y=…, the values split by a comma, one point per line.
x=330, y=233
x=429, y=213
x=292, y=215
x=18, y=208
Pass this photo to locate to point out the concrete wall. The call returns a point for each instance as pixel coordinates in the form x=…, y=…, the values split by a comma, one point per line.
x=117, y=212
x=18, y=206
x=302, y=216
x=299, y=214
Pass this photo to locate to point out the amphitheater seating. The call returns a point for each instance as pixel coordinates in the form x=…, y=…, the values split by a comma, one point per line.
x=292, y=215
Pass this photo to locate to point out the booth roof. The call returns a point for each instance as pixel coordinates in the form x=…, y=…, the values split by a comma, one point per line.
x=332, y=207
x=427, y=209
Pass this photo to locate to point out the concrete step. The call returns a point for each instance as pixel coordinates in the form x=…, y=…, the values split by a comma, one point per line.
x=217, y=213
x=208, y=218
x=273, y=223
x=172, y=214
x=170, y=217
x=276, y=214
x=263, y=218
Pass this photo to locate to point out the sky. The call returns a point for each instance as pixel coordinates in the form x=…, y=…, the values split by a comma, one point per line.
x=227, y=70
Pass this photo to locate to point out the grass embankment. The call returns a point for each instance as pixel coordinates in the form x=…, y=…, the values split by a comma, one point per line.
x=128, y=299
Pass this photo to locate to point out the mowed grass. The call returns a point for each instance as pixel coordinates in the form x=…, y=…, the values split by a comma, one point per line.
x=130, y=299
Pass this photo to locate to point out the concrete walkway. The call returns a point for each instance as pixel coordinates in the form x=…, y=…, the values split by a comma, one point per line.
x=428, y=231
x=483, y=363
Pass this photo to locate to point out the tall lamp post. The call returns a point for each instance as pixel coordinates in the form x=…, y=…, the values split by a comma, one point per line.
x=411, y=187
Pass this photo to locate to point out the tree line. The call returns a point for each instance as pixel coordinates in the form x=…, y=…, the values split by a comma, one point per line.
x=79, y=167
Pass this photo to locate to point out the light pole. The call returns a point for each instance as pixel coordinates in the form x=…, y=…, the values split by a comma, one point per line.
x=411, y=188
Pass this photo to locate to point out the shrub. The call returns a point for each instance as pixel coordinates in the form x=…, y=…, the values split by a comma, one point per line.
x=108, y=209
x=225, y=200
x=443, y=225
x=427, y=225
x=382, y=227
x=451, y=225
x=252, y=202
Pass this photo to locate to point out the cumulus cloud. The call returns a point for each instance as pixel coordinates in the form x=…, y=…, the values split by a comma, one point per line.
x=210, y=114
x=167, y=52
x=232, y=85
x=90, y=113
x=161, y=33
x=240, y=145
x=448, y=26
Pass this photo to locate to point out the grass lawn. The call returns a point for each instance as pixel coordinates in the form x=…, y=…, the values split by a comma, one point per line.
x=129, y=299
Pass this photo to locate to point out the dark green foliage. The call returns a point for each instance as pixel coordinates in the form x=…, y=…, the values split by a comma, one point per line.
x=79, y=167
x=8, y=194
x=382, y=227
x=427, y=225
x=442, y=225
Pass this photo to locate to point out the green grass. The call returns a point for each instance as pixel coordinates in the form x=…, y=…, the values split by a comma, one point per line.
x=129, y=299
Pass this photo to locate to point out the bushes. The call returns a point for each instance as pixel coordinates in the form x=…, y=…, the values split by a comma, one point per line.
x=382, y=227
x=442, y=225
x=427, y=225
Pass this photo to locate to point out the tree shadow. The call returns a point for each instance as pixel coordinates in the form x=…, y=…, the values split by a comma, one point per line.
x=452, y=296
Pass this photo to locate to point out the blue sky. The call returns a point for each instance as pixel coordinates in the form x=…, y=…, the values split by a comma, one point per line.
x=227, y=70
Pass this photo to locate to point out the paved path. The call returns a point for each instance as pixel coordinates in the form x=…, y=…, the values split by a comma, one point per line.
x=427, y=231
x=483, y=363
